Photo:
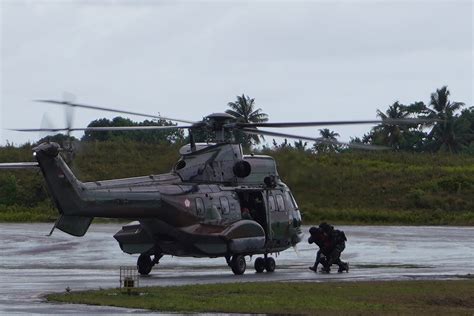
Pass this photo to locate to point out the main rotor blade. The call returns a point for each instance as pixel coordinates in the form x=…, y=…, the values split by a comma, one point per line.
x=325, y=123
x=94, y=107
x=100, y=128
x=320, y=140
x=19, y=165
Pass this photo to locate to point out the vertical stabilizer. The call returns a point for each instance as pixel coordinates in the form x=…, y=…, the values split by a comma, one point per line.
x=64, y=188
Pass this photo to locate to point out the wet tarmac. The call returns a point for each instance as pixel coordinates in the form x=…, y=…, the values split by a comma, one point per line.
x=32, y=264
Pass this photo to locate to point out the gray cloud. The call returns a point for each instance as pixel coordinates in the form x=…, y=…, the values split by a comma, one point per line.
x=300, y=60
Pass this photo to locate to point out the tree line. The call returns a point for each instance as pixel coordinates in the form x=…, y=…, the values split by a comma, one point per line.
x=449, y=128
x=351, y=186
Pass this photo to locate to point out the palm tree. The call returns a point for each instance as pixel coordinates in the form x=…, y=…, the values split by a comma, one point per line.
x=391, y=134
x=243, y=109
x=301, y=146
x=406, y=136
x=446, y=133
x=322, y=147
x=328, y=134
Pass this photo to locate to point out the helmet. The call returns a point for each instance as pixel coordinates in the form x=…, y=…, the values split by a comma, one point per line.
x=313, y=230
x=325, y=227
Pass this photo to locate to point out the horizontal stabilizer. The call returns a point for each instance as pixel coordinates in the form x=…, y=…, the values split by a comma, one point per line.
x=74, y=225
x=19, y=165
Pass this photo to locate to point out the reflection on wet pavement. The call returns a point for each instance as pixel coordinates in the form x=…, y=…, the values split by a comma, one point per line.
x=32, y=264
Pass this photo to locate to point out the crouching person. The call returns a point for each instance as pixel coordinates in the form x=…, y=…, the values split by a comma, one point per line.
x=331, y=243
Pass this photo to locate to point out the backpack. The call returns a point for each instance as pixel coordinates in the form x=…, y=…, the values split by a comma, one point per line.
x=340, y=236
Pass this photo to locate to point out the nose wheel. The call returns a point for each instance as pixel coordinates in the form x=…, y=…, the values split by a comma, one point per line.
x=238, y=264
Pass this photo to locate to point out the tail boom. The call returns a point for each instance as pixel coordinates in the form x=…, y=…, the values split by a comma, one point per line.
x=78, y=203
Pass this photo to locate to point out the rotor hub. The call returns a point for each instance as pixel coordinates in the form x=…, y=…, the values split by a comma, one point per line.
x=216, y=121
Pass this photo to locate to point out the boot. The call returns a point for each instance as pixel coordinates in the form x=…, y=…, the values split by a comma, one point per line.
x=314, y=268
x=344, y=266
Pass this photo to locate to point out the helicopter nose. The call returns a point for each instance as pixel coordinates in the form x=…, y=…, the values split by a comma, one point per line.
x=297, y=236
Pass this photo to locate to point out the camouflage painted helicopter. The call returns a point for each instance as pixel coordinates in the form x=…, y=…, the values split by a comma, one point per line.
x=215, y=202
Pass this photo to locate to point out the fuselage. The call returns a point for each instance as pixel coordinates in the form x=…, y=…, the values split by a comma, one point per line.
x=195, y=210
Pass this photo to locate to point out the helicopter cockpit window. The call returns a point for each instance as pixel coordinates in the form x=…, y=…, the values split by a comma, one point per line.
x=291, y=198
x=225, y=205
x=280, y=203
x=271, y=203
x=199, y=207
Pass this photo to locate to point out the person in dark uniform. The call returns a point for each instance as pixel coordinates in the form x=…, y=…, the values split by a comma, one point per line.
x=246, y=213
x=317, y=238
x=331, y=243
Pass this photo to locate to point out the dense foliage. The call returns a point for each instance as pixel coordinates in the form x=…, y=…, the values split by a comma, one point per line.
x=380, y=186
x=427, y=179
x=363, y=187
x=167, y=136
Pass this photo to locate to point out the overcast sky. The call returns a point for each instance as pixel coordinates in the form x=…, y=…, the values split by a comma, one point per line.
x=300, y=60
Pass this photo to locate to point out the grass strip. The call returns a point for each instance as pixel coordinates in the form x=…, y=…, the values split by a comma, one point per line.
x=395, y=297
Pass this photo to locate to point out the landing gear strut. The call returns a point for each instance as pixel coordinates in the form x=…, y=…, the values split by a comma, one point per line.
x=145, y=264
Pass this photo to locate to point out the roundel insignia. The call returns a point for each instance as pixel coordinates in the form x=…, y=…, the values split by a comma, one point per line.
x=187, y=203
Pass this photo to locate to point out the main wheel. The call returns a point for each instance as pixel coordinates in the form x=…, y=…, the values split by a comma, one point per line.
x=238, y=264
x=259, y=265
x=270, y=264
x=144, y=264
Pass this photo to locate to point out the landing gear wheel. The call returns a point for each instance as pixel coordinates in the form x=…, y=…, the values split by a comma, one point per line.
x=144, y=264
x=270, y=264
x=259, y=265
x=238, y=264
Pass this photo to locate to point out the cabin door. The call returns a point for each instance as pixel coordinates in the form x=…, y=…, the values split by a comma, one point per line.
x=253, y=202
x=277, y=217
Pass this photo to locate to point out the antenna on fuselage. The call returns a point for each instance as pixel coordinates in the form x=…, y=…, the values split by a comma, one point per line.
x=192, y=142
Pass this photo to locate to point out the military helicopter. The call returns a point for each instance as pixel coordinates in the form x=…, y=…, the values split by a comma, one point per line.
x=215, y=201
